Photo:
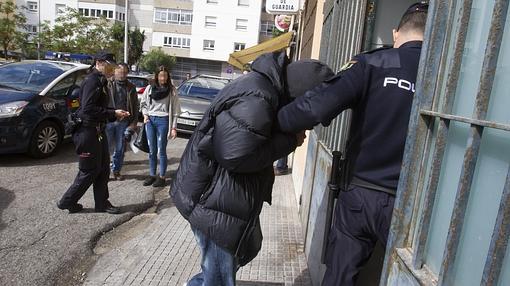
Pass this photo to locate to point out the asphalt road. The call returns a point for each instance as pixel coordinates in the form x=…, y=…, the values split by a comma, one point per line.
x=42, y=245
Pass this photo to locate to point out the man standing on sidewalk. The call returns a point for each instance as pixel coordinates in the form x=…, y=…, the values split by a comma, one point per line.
x=379, y=87
x=122, y=96
x=226, y=171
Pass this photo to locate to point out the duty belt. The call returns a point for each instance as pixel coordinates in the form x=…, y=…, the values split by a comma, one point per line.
x=367, y=185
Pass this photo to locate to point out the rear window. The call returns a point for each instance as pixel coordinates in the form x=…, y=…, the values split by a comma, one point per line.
x=206, y=88
x=139, y=82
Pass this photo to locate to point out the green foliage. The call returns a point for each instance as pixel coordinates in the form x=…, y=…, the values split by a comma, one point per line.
x=155, y=58
x=136, y=39
x=12, y=27
x=74, y=33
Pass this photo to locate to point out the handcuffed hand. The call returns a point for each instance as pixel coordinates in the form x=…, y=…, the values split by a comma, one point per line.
x=145, y=118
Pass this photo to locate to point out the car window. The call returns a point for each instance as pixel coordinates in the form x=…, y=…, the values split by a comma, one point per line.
x=80, y=77
x=61, y=89
x=139, y=82
x=206, y=88
x=31, y=76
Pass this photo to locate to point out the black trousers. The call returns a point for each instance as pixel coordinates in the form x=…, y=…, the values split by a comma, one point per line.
x=362, y=217
x=94, y=167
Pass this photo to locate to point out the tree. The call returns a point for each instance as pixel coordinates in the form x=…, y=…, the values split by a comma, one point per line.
x=12, y=27
x=136, y=39
x=155, y=58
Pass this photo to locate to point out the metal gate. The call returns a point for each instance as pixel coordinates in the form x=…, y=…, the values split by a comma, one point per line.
x=451, y=221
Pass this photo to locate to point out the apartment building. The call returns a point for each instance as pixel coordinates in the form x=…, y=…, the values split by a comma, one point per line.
x=199, y=33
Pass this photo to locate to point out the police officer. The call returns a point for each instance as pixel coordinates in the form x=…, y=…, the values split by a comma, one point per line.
x=379, y=87
x=90, y=139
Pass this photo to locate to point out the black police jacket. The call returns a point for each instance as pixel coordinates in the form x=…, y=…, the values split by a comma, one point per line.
x=379, y=87
x=226, y=170
x=94, y=100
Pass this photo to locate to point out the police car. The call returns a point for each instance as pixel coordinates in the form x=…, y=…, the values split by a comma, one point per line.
x=35, y=99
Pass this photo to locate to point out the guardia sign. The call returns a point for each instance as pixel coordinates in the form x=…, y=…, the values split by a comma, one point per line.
x=287, y=7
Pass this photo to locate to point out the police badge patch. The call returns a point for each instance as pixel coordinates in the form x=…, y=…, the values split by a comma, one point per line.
x=348, y=65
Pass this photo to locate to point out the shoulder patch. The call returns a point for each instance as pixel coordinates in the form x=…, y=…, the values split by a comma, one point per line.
x=348, y=65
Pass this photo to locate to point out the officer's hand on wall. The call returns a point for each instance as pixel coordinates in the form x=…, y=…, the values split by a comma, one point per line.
x=300, y=137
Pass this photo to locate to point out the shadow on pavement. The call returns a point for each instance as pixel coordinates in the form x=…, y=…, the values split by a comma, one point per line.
x=248, y=283
x=64, y=154
x=6, y=197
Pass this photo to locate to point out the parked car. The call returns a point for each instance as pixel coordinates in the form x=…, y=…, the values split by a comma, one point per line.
x=140, y=81
x=195, y=96
x=35, y=99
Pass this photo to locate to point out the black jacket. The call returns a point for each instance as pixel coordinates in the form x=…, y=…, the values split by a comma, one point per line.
x=132, y=99
x=379, y=87
x=94, y=100
x=226, y=170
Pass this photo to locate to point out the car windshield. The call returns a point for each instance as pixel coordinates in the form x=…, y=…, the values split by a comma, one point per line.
x=202, y=87
x=31, y=76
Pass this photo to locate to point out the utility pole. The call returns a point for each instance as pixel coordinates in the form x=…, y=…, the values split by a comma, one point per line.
x=39, y=30
x=126, y=34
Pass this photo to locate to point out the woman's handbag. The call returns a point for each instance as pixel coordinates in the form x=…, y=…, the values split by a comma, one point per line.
x=141, y=140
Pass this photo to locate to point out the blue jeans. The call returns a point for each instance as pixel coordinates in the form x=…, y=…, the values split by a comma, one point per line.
x=157, y=135
x=115, y=134
x=218, y=265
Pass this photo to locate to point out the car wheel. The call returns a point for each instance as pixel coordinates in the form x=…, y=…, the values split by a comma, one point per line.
x=45, y=140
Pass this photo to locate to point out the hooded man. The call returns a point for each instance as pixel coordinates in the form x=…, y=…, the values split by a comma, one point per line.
x=226, y=171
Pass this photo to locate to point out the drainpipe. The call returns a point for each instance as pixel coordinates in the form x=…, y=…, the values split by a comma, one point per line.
x=126, y=34
x=369, y=25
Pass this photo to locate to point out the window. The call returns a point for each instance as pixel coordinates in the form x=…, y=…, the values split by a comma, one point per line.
x=60, y=9
x=92, y=12
x=173, y=16
x=266, y=28
x=32, y=6
x=86, y=12
x=212, y=1
x=243, y=2
x=117, y=16
x=239, y=46
x=177, y=42
x=241, y=24
x=32, y=29
x=208, y=45
x=105, y=13
x=210, y=22
x=81, y=11
x=110, y=14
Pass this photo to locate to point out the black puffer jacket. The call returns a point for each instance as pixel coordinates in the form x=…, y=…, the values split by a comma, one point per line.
x=226, y=171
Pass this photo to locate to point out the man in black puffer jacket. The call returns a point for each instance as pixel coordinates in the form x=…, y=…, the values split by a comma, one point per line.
x=226, y=171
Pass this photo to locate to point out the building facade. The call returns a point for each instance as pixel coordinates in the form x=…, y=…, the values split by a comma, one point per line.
x=200, y=34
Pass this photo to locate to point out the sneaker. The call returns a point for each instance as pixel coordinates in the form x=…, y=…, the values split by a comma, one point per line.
x=149, y=181
x=160, y=182
x=117, y=176
x=72, y=208
x=109, y=208
x=280, y=172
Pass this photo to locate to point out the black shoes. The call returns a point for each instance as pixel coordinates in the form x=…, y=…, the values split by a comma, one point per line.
x=149, y=181
x=109, y=208
x=72, y=208
x=160, y=182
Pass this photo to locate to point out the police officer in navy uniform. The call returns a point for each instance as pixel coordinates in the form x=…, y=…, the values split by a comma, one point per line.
x=90, y=139
x=379, y=87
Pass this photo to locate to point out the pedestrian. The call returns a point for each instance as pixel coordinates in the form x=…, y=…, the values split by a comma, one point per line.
x=160, y=108
x=90, y=139
x=379, y=87
x=122, y=96
x=226, y=172
x=188, y=76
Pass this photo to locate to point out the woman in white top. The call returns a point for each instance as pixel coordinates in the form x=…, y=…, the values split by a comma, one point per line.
x=160, y=108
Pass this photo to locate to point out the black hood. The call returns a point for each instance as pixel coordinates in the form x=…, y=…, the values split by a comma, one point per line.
x=272, y=66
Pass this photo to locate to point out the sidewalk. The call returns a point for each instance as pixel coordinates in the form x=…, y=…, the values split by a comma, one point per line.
x=166, y=253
